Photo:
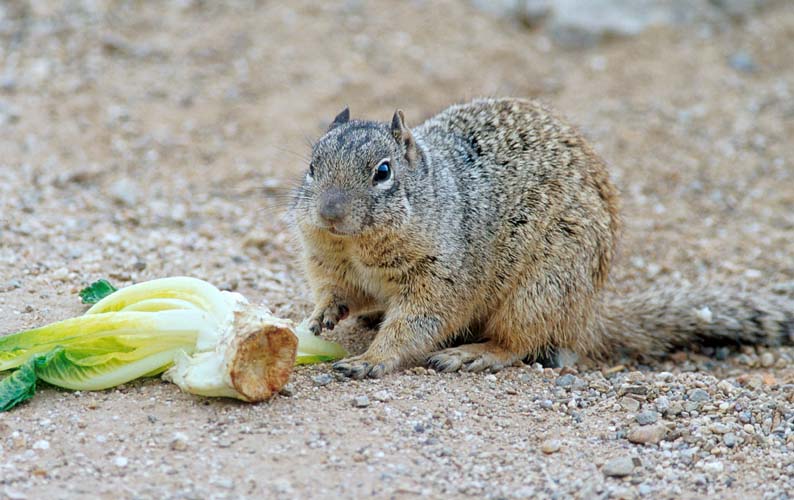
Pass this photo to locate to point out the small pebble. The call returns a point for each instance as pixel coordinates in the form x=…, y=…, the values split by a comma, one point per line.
x=382, y=396
x=566, y=380
x=714, y=467
x=60, y=274
x=629, y=404
x=662, y=404
x=618, y=467
x=729, y=439
x=179, y=442
x=726, y=387
x=742, y=61
x=647, y=434
x=323, y=379
x=124, y=192
x=550, y=446
x=767, y=359
x=361, y=401
x=719, y=428
x=699, y=395
x=647, y=417
x=42, y=444
x=121, y=461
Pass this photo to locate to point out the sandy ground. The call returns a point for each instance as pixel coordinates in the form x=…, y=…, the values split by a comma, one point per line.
x=147, y=139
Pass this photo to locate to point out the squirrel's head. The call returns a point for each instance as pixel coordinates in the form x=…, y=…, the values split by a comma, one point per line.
x=355, y=180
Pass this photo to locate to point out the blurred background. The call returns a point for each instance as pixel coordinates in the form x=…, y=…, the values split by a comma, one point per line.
x=149, y=138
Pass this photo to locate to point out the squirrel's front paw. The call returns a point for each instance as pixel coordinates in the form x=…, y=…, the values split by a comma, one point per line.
x=327, y=317
x=363, y=366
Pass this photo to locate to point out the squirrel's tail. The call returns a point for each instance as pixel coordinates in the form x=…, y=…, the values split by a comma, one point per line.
x=656, y=320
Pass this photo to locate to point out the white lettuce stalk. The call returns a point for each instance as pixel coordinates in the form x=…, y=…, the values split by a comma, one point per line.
x=211, y=343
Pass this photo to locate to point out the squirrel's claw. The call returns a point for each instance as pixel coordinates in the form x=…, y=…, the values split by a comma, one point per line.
x=328, y=317
x=358, y=367
x=486, y=356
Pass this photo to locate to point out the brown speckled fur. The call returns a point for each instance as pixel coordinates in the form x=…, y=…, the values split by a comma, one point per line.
x=498, y=219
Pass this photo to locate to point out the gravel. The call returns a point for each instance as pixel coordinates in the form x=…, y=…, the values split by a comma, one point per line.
x=146, y=140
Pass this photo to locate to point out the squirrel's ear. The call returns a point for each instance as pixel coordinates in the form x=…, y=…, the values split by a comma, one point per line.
x=403, y=136
x=340, y=119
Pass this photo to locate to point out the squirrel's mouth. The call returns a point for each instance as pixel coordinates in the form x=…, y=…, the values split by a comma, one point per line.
x=335, y=231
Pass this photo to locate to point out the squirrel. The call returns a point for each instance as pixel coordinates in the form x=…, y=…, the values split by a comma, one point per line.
x=494, y=219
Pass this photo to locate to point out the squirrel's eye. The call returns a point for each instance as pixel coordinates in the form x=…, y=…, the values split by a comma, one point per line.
x=382, y=172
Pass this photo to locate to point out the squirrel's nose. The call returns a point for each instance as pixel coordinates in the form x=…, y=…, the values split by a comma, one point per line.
x=334, y=206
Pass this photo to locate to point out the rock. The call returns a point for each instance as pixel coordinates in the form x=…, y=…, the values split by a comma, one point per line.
x=179, y=442
x=579, y=384
x=662, y=404
x=382, y=396
x=601, y=386
x=742, y=61
x=729, y=439
x=726, y=387
x=121, y=462
x=618, y=467
x=713, y=467
x=361, y=401
x=550, y=446
x=124, y=192
x=224, y=483
x=675, y=409
x=629, y=404
x=60, y=274
x=699, y=395
x=767, y=359
x=287, y=391
x=647, y=417
x=323, y=379
x=566, y=380
x=719, y=428
x=647, y=434
x=41, y=444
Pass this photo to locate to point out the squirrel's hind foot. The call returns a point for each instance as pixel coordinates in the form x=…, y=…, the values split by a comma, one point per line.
x=486, y=356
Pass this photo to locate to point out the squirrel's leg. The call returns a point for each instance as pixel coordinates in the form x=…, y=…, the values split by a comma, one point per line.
x=330, y=307
x=410, y=330
x=334, y=300
x=333, y=304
